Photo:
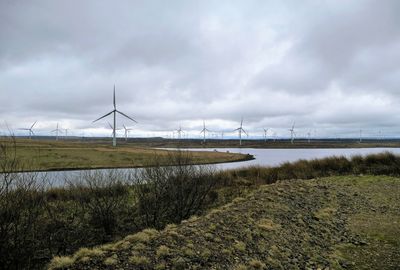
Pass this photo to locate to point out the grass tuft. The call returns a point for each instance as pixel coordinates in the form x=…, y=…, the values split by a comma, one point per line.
x=60, y=263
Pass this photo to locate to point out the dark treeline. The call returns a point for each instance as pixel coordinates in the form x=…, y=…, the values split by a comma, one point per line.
x=38, y=222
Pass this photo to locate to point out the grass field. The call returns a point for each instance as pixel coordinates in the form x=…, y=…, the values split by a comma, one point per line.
x=234, y=143
x=38, y=155
x=341, y=222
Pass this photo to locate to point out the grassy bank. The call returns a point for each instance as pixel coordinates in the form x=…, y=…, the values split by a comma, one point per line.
x=65, y=155
x=348, y=222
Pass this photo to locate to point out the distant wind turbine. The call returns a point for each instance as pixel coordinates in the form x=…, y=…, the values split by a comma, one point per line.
x=126, y=132
x=66, y=133
x=111, y=126
x=309, y=136
x=240, y=129
x=204, y=130
x=360, y=135
x=265, y=134
x=56, y=131
x=292, y=133
x=30, y=130
x=114, y=112
x=179, y=131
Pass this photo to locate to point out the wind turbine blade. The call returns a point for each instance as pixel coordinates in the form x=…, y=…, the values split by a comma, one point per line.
x=115, y=105
x=24, y=129
x=245, y=132
x=110, y=125
x=126, y=116
x=33, y=124
x=236, y=129
x=124, y=126
x=103, y=116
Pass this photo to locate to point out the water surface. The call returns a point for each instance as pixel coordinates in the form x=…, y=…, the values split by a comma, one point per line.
x=263, y=157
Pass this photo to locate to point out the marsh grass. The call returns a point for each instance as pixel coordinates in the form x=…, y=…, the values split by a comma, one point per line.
x=375, y=164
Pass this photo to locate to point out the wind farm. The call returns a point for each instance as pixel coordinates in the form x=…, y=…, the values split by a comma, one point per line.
x=174, y=135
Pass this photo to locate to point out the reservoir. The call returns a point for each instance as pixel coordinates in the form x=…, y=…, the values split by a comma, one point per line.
x=263, y=157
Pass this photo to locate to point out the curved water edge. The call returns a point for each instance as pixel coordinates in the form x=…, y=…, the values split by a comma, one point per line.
x=262, y=157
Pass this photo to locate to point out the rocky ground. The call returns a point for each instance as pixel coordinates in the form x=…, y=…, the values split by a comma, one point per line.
x=348, y=222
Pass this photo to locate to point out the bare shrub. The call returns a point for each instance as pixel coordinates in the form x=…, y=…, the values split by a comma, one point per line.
x=104, y=197
x=169, y=194
x=21, y=204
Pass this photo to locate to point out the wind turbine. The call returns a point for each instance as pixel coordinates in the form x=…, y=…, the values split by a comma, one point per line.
x=56, y=131
x=309, y=136
x=360, y=135
x=292, y=133
x=66, y=133
x=114, y=112
x=179, y=131
x=126, y=132
x=111, y=126
x=265, y=134
x=30, y=130
x=240, y=129
x=204, y=130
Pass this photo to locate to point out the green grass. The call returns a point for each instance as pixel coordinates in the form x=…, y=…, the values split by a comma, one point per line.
x=61, y=155
x=335, y=222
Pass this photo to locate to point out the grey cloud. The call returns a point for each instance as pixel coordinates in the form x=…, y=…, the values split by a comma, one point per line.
x=331, y=64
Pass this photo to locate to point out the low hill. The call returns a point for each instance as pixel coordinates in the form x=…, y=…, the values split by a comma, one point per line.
x=343, y=222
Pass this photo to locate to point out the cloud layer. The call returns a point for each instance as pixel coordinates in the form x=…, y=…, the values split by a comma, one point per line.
x=331, y=66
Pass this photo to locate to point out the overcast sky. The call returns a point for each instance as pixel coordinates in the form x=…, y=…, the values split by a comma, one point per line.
x=333, y=67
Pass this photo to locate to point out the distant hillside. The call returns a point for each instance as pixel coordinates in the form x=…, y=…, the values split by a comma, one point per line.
x=347, y=222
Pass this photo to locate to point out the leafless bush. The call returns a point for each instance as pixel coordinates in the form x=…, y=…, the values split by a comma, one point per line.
x=102, y=195
x=169, y=194
x=21, y=203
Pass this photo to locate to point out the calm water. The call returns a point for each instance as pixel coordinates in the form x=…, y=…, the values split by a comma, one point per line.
x=263, y=157
x=274, y=157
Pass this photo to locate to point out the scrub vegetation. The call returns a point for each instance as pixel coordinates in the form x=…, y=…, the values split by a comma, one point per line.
x=312, y=214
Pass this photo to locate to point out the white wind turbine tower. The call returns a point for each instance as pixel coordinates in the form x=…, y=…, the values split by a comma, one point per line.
x=30, y=130
x=126, y=132
x=292, y=133
x=114, y=112
x=56, y=131
x=66, y=133
x=265, y=134
x=204, y=130
x=240, y=129
x=309, y=136
x=360, y=135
